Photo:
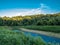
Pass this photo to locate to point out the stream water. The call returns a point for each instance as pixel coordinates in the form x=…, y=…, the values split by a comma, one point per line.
x=44, y=37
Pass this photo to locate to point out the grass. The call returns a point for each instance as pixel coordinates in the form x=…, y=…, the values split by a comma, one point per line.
x=55, y=29
x=9, y=37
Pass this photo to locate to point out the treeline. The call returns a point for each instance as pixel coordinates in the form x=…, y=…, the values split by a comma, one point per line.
x=39, y=19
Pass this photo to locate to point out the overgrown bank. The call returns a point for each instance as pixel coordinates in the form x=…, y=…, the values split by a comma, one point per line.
x=9, y=37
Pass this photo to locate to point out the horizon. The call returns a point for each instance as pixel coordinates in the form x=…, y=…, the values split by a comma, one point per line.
x=11, y=8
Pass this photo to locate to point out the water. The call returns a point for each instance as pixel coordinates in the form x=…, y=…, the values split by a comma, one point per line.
x=44, y=37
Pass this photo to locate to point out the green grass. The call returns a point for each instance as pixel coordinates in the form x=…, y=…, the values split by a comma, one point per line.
x=9, y=37
x=55, y=29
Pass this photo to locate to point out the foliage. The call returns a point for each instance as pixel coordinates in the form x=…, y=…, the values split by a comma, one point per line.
x=39, y=19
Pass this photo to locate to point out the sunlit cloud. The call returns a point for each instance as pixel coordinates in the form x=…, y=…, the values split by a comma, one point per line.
x=43, y=9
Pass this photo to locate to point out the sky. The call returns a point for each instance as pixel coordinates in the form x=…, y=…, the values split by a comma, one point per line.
x=28, y=7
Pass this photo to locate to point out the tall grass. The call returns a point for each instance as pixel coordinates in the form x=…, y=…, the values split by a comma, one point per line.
x=9, y=37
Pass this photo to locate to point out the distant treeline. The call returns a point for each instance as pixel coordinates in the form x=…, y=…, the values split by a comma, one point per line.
x=39, y=19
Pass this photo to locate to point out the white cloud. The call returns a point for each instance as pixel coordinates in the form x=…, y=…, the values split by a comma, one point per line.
x=43, y=9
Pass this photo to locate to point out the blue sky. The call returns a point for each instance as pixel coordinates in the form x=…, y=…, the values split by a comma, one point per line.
x=28, y=7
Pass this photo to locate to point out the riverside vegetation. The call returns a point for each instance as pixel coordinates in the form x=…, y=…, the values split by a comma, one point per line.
x=11, y=37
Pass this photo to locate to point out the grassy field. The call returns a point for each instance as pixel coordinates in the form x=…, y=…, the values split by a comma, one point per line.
x=9, y=37
x=55, y=29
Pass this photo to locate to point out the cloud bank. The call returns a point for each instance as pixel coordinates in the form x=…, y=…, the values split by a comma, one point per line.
x=43, y=9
